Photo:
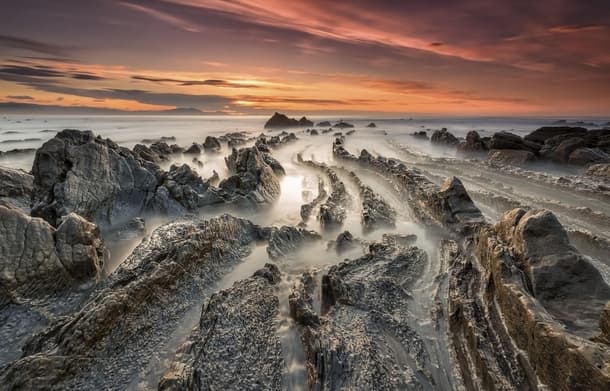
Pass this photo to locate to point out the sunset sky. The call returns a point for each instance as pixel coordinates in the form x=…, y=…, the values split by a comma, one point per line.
x=470, y=57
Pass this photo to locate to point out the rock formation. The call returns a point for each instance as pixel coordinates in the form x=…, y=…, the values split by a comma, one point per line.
x=235, y=345
x=282, y=121
x=16, y=188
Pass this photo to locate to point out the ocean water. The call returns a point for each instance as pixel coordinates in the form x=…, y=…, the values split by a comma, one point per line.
x=17, y=131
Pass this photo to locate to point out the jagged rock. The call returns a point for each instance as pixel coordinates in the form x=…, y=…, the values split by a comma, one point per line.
x=175, y=148
x=187, y=188
x=78, y=172
x=550, y=298
x=16, y=188
x=473, y=143
x=345, y=241
x=443, y=137
x=599, y=170
x=211, y=143
x=332, y=212
x=585, y=156
x=255, y=181
x=342, y=125
x=449, y=206
x=127, y=319
x=213, y=179
x=364, y=340
x=37, y=260
x=282, y=121
x=289, y=239
x=235, y=139
x=511, y=156
x=194, y=149
x=376, y=212
x=162, y=149
x=314, y=132
x=506, y=140
x=306, y=209
x=132, y=229
x=371, y=125
x=301, y=302
x=541, y=135
x=324, y=124
x=421, y=134
x=235, y=346
x=145, y=153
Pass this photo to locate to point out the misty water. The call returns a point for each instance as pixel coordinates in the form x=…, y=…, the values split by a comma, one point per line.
x=391, y=138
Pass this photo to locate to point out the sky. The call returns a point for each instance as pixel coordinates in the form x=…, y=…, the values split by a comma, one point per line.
x=443, y=57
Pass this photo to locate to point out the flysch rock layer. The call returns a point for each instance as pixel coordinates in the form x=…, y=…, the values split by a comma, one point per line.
x=127, y=318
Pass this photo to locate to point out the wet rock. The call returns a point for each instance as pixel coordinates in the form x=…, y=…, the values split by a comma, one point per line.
x=187, y=188
x=314, y=132
x=550, y=296
x=332, y=212
x=130, y=316
x=585, y=156
x=37, y=260
x=342, y=125
x=511, y=156
x=175, y=148
x=287, y=239
x=541, y=135
x=364, y=340
x=211, y=143
x=371, y=125
x=473, y=143
x=301, y=301
x=306, y=209
x=376, y=212
x=78, y=172
x=16, y=188
x=213, y=179
x=132, y=229
x=449, y=206
x=506, y=140
x=345, y=242
x=443, y=137
x=194, y=149
x=235, y=139
x=421, y=134
x=324, y=124
x=162, y=149
x=255, y=181
x=235, y=345
x=599, y=171
x=145, y=153
x=282, y=121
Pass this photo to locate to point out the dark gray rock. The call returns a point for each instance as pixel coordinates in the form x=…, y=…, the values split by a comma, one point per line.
x=128, y=318
x=371, y=125
x=511, y=156
x=78, y=172
x=254, y=182
x=324, y=124
x=443, y=137
x=376, y=212
x=282, y=121
x=342, y=125
x=37, y=260
x=506, y=140
x=187, y=188
x=473, y=143
x=211, y=143
x=16, y=188
x=194, y=149
x=541, y=135
x=235, y=346
x=287, y=239
x=363, y=339
x=306, y=209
